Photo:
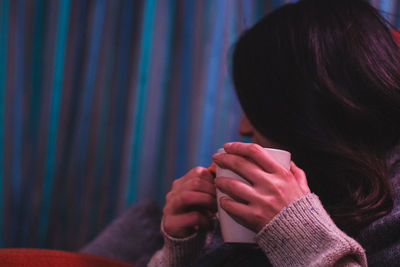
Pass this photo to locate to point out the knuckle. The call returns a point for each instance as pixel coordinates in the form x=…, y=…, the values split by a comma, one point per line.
x=255, y=148
x=168, y=197
x=197, y=170
x=175, y=183
x=285, y=172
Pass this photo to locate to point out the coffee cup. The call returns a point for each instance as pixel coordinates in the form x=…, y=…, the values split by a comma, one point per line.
x=232, y=231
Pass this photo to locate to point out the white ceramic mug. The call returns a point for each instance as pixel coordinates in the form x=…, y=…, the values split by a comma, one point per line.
x=233, y=232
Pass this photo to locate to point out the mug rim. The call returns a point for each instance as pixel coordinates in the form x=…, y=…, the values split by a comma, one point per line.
x=222, y=150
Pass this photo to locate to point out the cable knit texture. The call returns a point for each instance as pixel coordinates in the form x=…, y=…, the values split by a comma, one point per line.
x=302, y=234
x=178, y=251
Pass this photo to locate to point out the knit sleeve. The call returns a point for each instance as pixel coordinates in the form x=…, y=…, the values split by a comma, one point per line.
x=178, y=251
x=303, y=234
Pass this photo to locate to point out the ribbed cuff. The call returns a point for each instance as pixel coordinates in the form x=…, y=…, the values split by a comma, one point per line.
x=303, y=234
x=182, y=251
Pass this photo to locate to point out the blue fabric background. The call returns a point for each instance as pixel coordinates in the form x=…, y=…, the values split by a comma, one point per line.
x=104, y=103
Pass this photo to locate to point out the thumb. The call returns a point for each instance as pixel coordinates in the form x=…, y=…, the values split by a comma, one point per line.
x=300, y=177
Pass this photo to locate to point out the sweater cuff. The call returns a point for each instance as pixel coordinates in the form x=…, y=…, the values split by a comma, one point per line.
x=303, y=234
x=182, y=251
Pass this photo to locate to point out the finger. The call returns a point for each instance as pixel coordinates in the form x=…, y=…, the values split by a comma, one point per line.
x=242, y=166
x=300, y=177
x=238, y=211
x=198, y=185
x=236, y=189
x=191, y=219
x=256, y=153
x=190, y=200
x=201, y=172
x=188, y=220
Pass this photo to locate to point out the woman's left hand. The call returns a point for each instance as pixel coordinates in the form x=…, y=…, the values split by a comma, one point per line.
x=272, y=188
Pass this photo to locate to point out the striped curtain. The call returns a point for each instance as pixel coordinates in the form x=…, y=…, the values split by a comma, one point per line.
x=105, y=103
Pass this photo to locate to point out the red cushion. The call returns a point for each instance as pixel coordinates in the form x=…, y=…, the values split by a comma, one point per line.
x=396, y=35
x=43, y=257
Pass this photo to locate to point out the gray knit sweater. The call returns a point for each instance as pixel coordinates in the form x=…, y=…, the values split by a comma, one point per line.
x=302, y=234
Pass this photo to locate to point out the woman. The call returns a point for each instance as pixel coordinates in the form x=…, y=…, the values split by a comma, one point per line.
x=321, y=79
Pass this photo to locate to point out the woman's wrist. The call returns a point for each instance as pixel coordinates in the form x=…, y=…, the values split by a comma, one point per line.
x=182, y=251
x=306, y=230
x=170, y=238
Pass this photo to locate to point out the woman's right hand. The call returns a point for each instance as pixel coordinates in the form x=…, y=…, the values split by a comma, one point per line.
x=190, y=204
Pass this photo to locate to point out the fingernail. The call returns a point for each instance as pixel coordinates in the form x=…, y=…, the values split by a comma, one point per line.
x=222, y=199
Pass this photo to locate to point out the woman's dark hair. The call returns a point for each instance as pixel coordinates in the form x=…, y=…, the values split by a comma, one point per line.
x=322, y=78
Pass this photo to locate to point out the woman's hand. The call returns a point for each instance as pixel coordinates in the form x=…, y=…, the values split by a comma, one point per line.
x=272, y=188
x=190, y=204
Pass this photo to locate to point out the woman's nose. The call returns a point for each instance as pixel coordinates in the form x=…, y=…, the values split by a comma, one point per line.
x=245, y=127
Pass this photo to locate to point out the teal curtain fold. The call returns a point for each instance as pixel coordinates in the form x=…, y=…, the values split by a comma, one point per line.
x=104, y=103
